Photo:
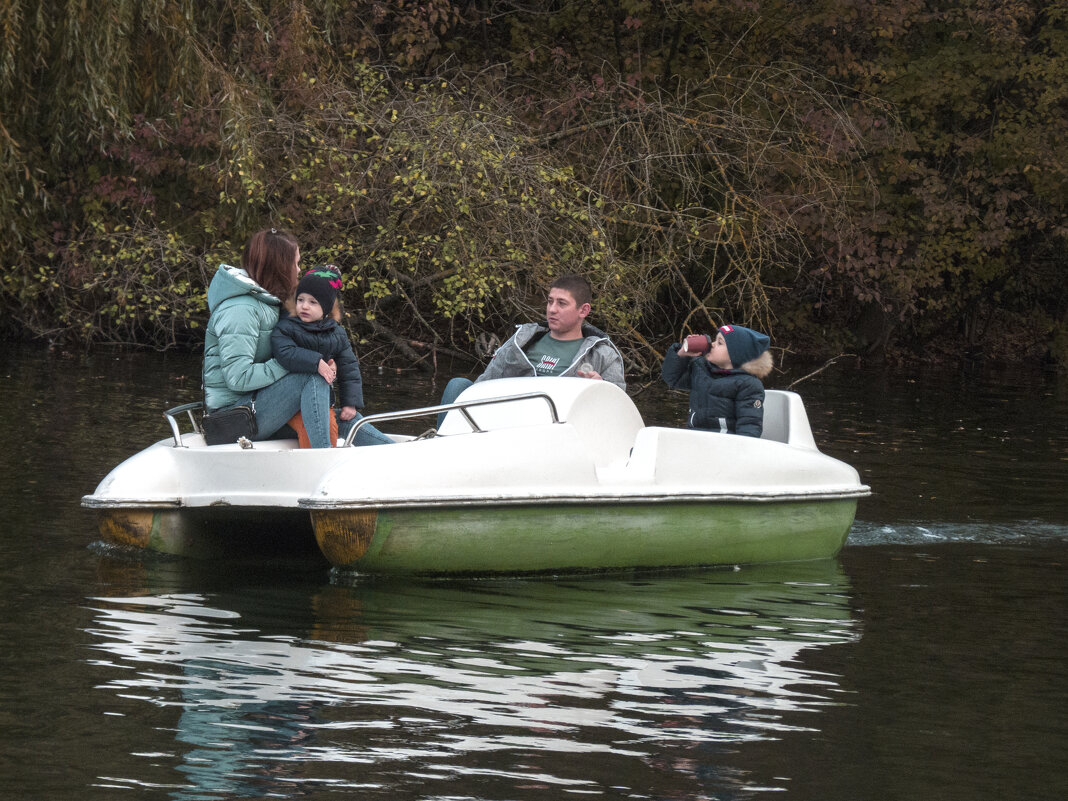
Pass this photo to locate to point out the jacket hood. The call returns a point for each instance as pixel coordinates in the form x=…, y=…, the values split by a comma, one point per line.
x=761, y=366
x=231, y=282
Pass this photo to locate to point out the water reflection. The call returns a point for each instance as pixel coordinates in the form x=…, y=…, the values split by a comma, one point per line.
x=454, y=686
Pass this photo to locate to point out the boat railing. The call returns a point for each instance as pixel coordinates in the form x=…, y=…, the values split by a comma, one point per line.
x=188, y=408
x=460, y=406
x=404, y=414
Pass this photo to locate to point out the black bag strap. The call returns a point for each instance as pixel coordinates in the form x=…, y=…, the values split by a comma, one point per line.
x=251, y=404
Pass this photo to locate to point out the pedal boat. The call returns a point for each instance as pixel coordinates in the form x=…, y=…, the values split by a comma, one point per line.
x=524, y=476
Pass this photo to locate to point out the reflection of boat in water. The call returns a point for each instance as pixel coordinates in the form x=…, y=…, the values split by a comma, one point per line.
x=525, y=476
x=375, y=676
x=765, y=615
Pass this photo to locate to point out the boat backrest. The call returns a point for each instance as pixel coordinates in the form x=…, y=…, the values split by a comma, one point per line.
x=603, y=415
x=785, y=419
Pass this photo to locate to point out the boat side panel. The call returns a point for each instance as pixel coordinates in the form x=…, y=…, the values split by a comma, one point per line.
x=490, y=464
x=271, y=473
x=547, y=538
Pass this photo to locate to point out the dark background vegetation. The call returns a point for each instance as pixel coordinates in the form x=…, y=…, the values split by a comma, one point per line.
x=886, y=179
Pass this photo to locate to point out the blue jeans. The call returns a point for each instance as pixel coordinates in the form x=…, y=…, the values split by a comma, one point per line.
x=451, y=393
x=309, y=394
x=367, y=435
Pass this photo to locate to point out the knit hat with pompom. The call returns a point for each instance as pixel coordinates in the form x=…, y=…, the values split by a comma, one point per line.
x=322, y=283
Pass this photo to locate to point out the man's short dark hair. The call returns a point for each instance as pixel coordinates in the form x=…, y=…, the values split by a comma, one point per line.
x=576, y=286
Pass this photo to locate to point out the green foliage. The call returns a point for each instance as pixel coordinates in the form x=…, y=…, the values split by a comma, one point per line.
x=431, y=192
x=867, y=170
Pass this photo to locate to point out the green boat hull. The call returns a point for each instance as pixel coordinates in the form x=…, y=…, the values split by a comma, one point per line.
x=573, y=538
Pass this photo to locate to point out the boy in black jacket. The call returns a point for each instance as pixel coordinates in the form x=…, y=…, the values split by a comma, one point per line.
x=313, y=341
x=726, y=391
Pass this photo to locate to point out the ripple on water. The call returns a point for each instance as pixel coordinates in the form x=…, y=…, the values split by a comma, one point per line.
x=1021, y=533
x=483, y=678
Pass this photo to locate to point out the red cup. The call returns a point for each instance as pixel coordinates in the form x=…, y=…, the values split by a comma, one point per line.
x=697, y=343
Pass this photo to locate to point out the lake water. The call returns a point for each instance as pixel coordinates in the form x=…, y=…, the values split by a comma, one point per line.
x=926, y=662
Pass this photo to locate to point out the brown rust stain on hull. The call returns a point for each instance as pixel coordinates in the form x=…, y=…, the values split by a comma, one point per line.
x=127, y=527
x=344, y=536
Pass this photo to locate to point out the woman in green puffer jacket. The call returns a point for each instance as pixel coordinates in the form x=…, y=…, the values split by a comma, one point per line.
x=245, y=303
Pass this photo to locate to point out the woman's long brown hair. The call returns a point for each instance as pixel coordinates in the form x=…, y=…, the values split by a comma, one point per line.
x=269, y=259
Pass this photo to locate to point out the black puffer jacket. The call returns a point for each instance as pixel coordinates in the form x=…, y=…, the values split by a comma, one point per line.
x=299, y=346
x=731, y=400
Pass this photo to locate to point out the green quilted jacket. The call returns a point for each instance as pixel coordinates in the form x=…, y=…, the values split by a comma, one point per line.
x=237, y=345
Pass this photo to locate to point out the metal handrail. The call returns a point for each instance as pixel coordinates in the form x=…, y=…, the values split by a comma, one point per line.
x=404, y=414
x=188, y=408
x=462, y=407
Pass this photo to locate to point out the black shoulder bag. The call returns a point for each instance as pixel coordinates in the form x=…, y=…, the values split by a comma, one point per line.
x=229, y=425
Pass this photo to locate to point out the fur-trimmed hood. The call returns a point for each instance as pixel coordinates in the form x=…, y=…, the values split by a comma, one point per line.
x=761, y=366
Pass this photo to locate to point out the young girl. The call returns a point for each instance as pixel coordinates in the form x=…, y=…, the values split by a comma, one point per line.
x=309, y=341
x=726, y=391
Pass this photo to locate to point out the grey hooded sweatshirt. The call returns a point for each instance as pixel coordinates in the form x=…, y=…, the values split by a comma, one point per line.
x=510, y=360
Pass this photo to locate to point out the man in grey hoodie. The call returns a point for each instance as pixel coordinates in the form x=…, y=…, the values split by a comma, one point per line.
x=566, y=345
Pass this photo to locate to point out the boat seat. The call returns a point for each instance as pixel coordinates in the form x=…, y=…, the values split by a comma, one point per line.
x=662, y=454
x=785, y=419
x=296, y=422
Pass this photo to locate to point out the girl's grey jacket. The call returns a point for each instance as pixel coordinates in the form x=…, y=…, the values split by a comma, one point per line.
x=510, y=360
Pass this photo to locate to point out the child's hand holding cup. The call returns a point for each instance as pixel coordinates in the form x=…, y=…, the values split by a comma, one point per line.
x=696, y=345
